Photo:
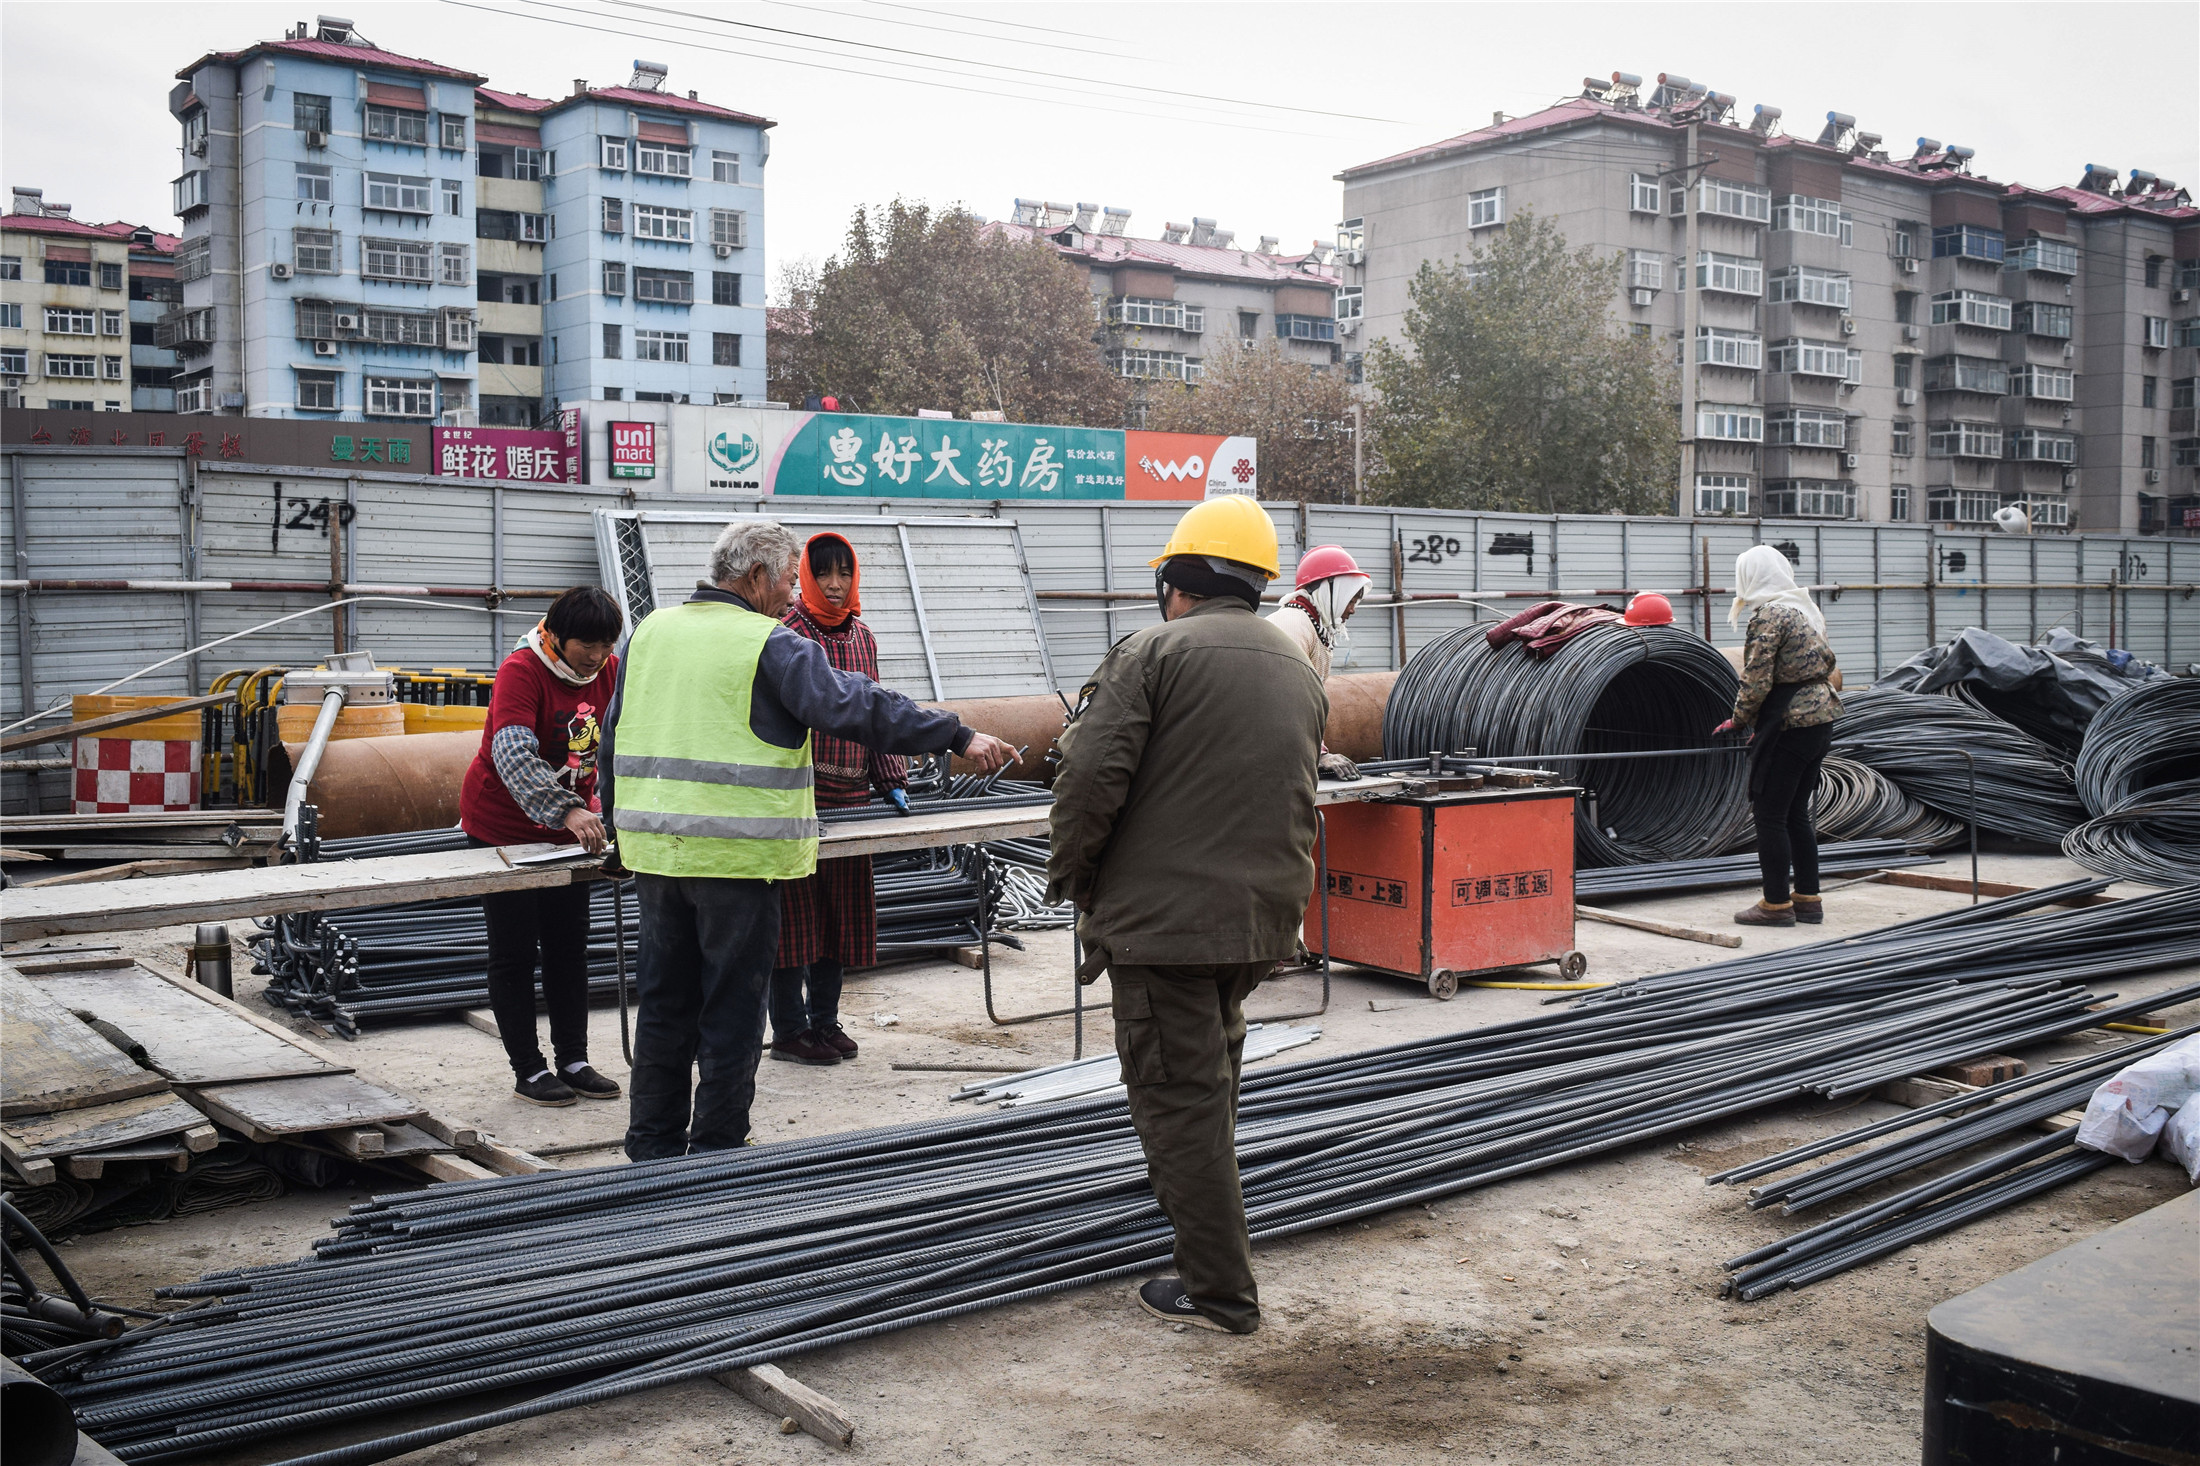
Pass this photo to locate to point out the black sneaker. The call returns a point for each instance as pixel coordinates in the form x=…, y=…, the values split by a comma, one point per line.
x=546, y=1089
x=805, y=1048
x=1165, y=1298
x=588, y=1084
x=836, y=1038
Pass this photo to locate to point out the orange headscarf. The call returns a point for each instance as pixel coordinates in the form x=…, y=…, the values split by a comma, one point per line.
x=821, y=610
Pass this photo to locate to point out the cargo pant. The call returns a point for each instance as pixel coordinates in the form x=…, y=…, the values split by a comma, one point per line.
x=1180, y=1032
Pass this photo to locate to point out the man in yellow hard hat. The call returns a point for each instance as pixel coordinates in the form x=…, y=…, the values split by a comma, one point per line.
x=1183, y=828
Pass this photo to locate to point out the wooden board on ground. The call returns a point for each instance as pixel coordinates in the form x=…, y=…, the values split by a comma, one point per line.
x=1921, y=1090
x=335, y=885
x=769, y=1388
x=54, y=1061
x=271, y=1109
x=103, y=1127
x=889, y=833
x=190, y=1041
x=1961, y=886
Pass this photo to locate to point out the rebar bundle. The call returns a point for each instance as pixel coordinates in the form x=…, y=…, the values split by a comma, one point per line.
x=1669, y=877
x=2139, y=775
x=1856, y=802
x=586, y=1286
x=1914, y=740
x=1609, y=689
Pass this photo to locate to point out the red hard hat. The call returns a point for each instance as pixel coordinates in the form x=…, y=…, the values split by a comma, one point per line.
x=1649, y=609
x=1324, y=561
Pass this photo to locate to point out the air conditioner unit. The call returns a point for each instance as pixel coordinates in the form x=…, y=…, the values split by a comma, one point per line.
x=1348, y=328
x=2069, y=351
x=1848, y=326
x=347, y=323
x=462, y=417
x=278, y=271
x=2154, y=475
x=198, y=147
x=1352, y=256
x=1910, y=333
x=723, y=251
x=2070, y=478
x=1909, y=267
x=316, y=139
x=1644, y=297
x=1907, y=397
x=324, y=348
x=2066, y=414
x=2180, y=296
x=1848, y=460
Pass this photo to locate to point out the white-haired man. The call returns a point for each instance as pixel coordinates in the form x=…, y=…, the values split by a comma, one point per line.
x=705, y=771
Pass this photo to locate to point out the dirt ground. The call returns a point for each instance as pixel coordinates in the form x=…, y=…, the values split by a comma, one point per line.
x=1572, y=1316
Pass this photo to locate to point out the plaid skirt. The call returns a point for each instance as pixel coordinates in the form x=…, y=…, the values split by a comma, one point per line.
x=833, y=913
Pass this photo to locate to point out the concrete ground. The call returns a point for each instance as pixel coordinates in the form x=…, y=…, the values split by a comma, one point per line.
x=1571, y=1316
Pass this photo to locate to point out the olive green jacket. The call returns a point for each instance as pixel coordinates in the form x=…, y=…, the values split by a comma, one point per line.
x=1183, y=822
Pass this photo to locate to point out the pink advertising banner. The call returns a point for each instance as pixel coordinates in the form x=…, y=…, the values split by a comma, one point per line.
x=533, y=455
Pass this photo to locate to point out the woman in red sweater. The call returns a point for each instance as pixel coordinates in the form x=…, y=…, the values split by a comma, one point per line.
x=829, y=921
x=534, y=780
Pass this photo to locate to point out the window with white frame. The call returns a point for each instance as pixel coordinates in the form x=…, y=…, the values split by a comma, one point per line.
x=1645, y=195
x=654, y=222
x=1135, y=310
x=1291, y=327
x=400, y=397
x=313, y=183
x=1961, y=506
x=2184, y=393
x=1733, y=274
x=533, y=228
x=666, y=160
x=660, y=345
x=1966, y=374
x=1963, y=440
x=1732, y=422
x=86, y=367
x=1806, y=427
x=1903, y=438
x=1802, y=357
x=319, y=391
x=611, y=153
x=1716, y=346
x=2039, y=445
x=666, y=287
x=1805, y=215
x=2042, y=318
x=314, y=252
x=110, y=323
x=1848, y=231
x=614, y=215
x=397, y=125
x=1722, y=493
x=1153, y=365
x=62, y=320
x=1968, y=241
x=11, y=316
x=1485, y=207
x=15, y=361
x=2157, y=331
x=2049, y=383
x=316, y=319
x=454, y=198
x=451, y=264
x=396, y=259
x=454, y=131
x=1351, y=303
x=1807, y=286
x=614, y=277
x=309, y=112
x=725, y=167
x=11, y=267
x=1195, y=319
x=2048, y=256
x=1809, y=498
x=1972, y=308
x=527, y=164
x=2186, y=332
x=1645, y=270
x=459, y=333
x=190, y=192
x=729, y=228
x=399, y=328
x=397, y=193
x=1898, y=503
x=2185, y=453
x=1734, y=200
x=110, y=367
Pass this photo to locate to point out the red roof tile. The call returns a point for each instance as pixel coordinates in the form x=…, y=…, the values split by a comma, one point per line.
x=626, y=96
x=1190, y=259
x=47, y=224
x=511, y=101
x=335, y=51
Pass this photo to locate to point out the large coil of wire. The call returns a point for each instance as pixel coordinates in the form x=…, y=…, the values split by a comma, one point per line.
x=2139, y=775
x=1609, y=689
x=1914, y=740
x=1854, y=801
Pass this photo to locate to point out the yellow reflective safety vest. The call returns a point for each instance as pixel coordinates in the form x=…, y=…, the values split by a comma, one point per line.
x=697, y=793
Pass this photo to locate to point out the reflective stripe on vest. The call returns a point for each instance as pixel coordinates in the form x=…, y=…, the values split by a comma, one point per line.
x=697, y=793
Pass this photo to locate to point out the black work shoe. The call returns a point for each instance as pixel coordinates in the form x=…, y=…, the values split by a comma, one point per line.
x=1165, y=1299
x=588, y=1084
x=805, y=1048
x=836, y=1038
x=546, y=1089
x=1810, y=911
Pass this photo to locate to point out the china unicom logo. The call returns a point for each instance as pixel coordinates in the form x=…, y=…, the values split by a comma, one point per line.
x=734, y=451
x=1191, y=467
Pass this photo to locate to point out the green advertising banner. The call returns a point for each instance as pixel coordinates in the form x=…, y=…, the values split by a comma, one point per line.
x=943, y=458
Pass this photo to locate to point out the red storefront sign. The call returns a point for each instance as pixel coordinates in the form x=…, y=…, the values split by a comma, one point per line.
x=633, y=450
x=531, y=455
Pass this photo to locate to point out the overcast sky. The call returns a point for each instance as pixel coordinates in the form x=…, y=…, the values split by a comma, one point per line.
x=1223, y=110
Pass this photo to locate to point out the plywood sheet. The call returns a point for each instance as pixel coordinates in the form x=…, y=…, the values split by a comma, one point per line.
x=53, y=1060
x=295, y=1106
x=190, y=1041
x=99, y=1127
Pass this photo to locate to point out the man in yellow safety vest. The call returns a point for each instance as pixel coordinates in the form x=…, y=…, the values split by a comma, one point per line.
x=706, y=777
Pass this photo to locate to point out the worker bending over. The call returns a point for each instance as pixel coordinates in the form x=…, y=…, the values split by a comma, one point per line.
x=1330, y=585
x=709, y=785
x=1183, y=828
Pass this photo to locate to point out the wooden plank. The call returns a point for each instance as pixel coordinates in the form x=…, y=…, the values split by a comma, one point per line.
x=505, y=1160
x=360, y=1144
x=1959, y=885
x=7, y=854
x=890, y=833
x=54, y=1060
x=439, y=1167
x=105, y=721
x=1661, y=928
x=401, y=1139
x=133, y=870
x=46, y=966
x=103, y=1127
x=456, y=1136
x=273, y=1108
x=190, y=1041
x=335, y=885
x=1921, y=1090
x=769, y=1388
x=236, y=1009
x=37, y=1173
x=485, y=1020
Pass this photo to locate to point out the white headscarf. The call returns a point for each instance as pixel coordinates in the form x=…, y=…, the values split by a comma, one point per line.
x=1762, y=577
x=1327, y=601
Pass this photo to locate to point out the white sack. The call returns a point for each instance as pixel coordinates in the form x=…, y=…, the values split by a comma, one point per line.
x=2181, y=1138
x=2128, y=1112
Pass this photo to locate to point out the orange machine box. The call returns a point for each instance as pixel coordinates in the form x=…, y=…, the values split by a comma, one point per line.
x=1444, y=887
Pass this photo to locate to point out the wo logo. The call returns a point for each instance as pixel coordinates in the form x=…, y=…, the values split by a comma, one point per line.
x=734, y=452
x=1192, y=467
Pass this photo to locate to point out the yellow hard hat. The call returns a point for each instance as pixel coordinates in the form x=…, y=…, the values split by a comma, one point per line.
x=1230, y=527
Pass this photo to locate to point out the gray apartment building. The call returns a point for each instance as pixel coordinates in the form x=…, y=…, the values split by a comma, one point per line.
x=1861, y=332
x=1164, y=306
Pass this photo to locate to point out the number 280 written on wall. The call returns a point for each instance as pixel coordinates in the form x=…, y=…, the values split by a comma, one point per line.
x=1431, y=549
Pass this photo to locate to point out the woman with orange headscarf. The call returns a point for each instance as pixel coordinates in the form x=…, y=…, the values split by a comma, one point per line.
x=829, y=921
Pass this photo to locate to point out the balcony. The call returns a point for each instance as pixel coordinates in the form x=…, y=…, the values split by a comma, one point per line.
x=185, y=332
x=501, y=319
x=520, y=195
x=507, y=257
x=498, y=380
x=2048, y=256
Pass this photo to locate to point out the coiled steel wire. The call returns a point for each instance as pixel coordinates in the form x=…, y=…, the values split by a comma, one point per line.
x=1610, y=689
x=1855, y=801
x=2139, y=775
x=1911, y=738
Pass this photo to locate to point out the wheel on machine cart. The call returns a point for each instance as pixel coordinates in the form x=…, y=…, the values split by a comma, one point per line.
x=1443, y=985
x=1573, y=966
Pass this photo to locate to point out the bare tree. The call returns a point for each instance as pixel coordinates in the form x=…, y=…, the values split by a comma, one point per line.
x=1301, y=414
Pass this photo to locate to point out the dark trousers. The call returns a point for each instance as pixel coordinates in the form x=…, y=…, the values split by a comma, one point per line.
x=805, y=997
x=1180, y=1032
x=705, y=965
x=551, y=922
x=1786, y=839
